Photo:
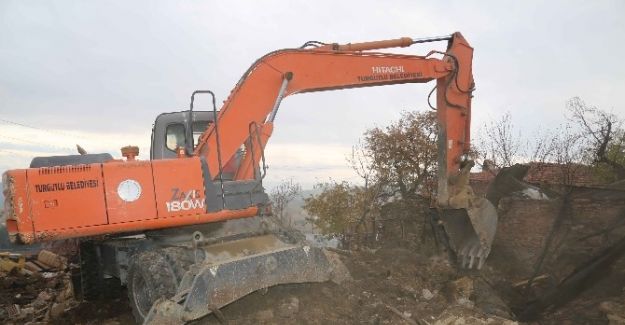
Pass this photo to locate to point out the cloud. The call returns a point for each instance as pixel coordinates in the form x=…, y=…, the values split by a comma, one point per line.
x=20, y=144
x=307, y=163
x=102, y=71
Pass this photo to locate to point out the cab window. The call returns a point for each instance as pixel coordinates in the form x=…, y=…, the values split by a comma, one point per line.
x=175, y=134
x=198, y=128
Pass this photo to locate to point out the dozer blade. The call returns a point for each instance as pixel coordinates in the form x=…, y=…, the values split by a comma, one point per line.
x=471, y=232
x=231, y=270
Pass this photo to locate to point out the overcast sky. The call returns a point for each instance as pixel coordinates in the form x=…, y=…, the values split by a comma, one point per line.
x=98, y=72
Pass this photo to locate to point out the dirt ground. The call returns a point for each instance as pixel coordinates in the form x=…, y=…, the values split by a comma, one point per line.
x=392, y=284
x=408, y=281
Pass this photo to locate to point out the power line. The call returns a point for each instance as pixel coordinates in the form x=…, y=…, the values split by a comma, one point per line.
x=35, y=143
x=16, y=153
x=37, y=128
x=307, y=168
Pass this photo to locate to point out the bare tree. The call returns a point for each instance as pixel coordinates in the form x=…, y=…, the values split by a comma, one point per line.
x=542, y=146
x=281, y=195
x=591, y=136
x=603, y=135
x=503, y=146
x=567, y=153
x=500, y=143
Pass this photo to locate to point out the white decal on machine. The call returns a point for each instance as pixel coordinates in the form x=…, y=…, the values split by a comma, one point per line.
x=184, y=200
x=391, y=69
x=389, y=73
x=128, y=190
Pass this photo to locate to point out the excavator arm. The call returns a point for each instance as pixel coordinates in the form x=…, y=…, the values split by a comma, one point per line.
x=247, y=117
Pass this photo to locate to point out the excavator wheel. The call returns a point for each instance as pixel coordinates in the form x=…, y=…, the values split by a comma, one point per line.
x=91, y=281
x=150, y=277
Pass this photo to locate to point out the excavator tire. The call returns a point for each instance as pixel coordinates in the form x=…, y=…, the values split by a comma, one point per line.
x=179, y=260
x=150, y=277
x=90, y=273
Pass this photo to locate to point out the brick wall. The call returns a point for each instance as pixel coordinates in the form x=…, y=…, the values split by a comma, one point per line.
x=521, y=231
x=547, y=173
x=558, y=174
x=525, y=224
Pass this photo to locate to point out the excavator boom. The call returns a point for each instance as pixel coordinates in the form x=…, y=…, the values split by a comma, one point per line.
x=256, y=97
x=248, y=114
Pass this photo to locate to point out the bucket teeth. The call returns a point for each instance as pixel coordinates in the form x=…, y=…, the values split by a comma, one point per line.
x=471, y=232
x=473, y=256
x=482, y=256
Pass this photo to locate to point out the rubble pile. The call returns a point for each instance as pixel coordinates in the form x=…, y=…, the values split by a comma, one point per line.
x=390, y=285
x=409, y=281
x=35, y=289
x=614, y=310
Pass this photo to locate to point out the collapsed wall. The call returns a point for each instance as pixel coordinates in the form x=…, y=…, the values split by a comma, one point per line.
x=591, y=220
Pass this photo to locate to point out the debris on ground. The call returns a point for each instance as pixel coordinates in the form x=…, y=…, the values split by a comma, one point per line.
x=36, y=288
x=289, y=308
x=397, y=283
x=11, y=262
x=614, y=311
x=398, y=280
x=427, y=294
x=461, y=316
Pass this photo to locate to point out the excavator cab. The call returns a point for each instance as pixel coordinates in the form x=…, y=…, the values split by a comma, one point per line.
x=169, y=132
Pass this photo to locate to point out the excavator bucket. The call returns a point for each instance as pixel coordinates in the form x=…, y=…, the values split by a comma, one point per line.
x=469, y=221
x=471, y=232
x=471, y=225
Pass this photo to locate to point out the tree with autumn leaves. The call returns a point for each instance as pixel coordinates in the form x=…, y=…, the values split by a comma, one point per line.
x=396, y=165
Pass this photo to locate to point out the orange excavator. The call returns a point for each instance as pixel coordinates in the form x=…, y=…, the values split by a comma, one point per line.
x=187, y=231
